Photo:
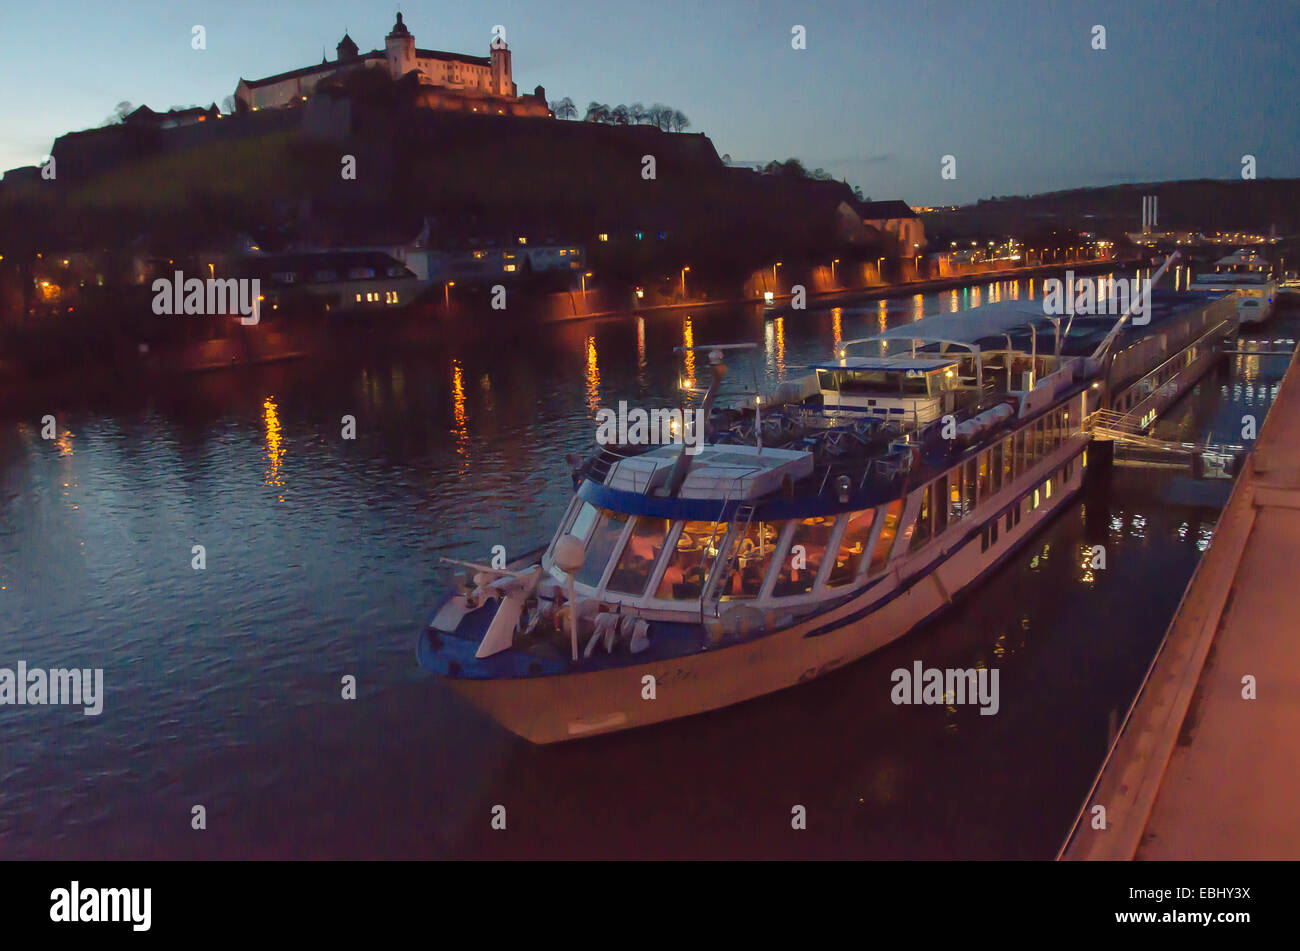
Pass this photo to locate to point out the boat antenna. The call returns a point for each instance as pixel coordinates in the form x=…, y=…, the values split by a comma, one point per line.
x=1119, y=324
x=682, y=465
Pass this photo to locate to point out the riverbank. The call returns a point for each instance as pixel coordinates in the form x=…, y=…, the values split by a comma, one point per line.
x=89, y=351
x=878, y=292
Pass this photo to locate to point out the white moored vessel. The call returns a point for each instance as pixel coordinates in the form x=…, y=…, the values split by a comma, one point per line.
x=1249, y=275
x=809, y=531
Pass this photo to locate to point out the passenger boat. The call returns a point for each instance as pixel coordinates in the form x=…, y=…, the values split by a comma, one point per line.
x=1249, y=275
x=816, y=524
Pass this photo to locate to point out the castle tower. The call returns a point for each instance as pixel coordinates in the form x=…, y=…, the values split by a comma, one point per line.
x=400, y=46
x=347, y=49
x=502, y=83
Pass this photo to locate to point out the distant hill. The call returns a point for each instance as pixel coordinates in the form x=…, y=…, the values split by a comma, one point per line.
x=276, y=174
x=1194, y=205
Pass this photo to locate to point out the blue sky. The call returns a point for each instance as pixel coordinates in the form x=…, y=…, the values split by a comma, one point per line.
x=1011, y=88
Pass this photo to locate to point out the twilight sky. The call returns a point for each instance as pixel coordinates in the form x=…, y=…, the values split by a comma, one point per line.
x=885, y=88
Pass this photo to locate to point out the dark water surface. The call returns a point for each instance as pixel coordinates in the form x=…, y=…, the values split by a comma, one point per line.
x=223, y=686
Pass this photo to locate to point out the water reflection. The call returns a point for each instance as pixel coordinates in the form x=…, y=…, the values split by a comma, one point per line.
x=593, y=376
x=459, y=415
x=688, y=356
x=274, y=441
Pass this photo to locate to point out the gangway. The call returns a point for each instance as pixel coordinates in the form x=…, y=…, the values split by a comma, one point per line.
x=1134, y=446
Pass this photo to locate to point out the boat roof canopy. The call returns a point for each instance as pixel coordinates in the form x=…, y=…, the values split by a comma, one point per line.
x=965, y=328
x=921, y=363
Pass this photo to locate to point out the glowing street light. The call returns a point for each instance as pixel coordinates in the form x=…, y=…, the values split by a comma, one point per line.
x=684, y=270
x=584, y=283
x=446, y=292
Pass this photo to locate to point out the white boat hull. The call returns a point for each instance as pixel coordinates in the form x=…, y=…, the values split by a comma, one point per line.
x=553, y=709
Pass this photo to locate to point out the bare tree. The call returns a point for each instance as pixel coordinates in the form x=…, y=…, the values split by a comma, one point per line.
x=637, y=113
x=619, y=115
x=228, y=105
x=680, y=122
x=120, y=112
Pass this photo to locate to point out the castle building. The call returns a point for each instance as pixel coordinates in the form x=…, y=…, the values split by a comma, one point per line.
x=452, y=80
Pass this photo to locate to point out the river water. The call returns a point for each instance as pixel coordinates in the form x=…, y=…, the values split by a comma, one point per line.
x=224, y=686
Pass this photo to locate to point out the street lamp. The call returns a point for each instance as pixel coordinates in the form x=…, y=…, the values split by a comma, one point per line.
x=833, y=263
x=684, y=270
x=446, y=292
x=584, y=283
x=878, y=275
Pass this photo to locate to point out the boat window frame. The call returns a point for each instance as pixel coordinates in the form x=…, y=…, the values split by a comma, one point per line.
x=868, y=546
x=906, y=524
x=724, y=554
x=562, y=529
x=782, y=548
x=656, y=576
x=616, y=551
x=883, y=517
x=618, y=555
x=915, y=542
x=832, y=549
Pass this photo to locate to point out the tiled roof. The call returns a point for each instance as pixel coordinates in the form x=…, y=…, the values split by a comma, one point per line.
x=884, y=210
x=453, y=57
x=311, y=70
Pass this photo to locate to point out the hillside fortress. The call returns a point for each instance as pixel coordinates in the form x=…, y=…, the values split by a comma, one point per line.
x=451, y=81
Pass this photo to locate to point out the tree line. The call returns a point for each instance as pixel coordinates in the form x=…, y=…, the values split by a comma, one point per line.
x=664, y=118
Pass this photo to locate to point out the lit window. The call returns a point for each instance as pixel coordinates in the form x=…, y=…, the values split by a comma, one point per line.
x=510, y=267
x=602, y=237
x=523, y=240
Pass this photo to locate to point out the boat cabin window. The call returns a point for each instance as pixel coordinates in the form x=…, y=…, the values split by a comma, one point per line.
x=583, y=519
x=688, y=566
x=939, y=500
x=799, y=567
x=604, y=536
x=875, y=382
x=955, y=508
x=888, y=533
x=924, y=517
x=752, y=555
x=852, y=547
x=640, y=554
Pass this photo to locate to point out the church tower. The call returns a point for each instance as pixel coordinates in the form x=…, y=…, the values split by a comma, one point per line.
x=400, y=46
x=502, y=83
